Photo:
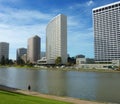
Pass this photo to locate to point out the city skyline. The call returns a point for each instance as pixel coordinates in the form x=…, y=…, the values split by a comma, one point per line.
x=21, y=19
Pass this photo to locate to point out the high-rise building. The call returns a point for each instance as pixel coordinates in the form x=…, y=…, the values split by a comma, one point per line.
x=34, y=49
x=21, y=52
x=107, y=32
x=56, y=39
x=4, y=50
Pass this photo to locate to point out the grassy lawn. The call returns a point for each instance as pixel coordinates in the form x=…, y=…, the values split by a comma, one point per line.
x=14, y=98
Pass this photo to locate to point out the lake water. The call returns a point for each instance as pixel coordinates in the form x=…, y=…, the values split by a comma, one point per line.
x=104, y=87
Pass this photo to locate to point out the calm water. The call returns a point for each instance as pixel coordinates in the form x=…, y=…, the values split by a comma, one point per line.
x=103, y=87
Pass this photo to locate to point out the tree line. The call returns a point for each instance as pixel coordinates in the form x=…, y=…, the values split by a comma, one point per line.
x=5, y=61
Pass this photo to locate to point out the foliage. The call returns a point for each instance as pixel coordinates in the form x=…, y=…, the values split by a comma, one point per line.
x=58, y=61
x=10, y=62
x=5, y=61
x=29, y=64
x=14, y=98
x=2, y=60
x=80, y=56
x=71, y=61
x=20, y=61
x=90, y=61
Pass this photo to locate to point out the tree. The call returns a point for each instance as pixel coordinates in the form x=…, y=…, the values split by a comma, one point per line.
x=3, y=60
x=71, y=60
x=90, y=61
x=7, y=61
x=58, y=61
x=11, y=62
x=20, y=61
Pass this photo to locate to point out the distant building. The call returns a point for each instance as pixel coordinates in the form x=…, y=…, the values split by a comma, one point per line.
x=80, y=61
x=34, y=49
x=107, y=32
x=94, y=66
x=4, y=50
x=80, y=56
x=42, y=61
x=43, y=54
x=56, y=39
x=21, y=52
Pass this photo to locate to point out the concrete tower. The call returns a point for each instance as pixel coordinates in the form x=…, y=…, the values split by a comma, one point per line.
x=4, y=50
x=34, y=49
x=107, y=32
x=56, y=39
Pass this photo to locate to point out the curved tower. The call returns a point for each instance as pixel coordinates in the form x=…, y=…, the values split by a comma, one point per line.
x=56, y=39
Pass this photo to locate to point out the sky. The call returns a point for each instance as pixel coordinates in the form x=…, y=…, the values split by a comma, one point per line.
x=22, y=19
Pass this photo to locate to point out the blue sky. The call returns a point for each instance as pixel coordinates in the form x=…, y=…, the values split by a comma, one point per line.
x=22, y=19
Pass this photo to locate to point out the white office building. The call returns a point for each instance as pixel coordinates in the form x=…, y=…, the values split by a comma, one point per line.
x=56, y=39
x=4, y=50
x=107, y=32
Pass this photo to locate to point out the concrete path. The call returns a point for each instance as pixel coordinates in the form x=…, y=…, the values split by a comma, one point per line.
x=65, y=99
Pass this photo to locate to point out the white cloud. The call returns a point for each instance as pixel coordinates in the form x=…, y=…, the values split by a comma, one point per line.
x=22, y=17
x=75, y=6
x=72, y=21
x=75, y=23
x=81, y=42
x=16, y=26
x=81, y=5
x=18, y=36
x=89, y=3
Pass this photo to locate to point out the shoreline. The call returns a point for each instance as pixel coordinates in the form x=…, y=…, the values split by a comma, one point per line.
x=63, y=69
x=32, y=93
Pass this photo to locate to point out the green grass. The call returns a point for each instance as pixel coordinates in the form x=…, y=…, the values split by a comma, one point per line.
x=14, y=98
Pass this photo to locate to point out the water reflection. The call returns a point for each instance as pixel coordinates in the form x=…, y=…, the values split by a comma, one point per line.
x=42, y=82
x=81, y=85
x=108, y=87
x=8, y=77
x=86, y=85
x=56, y=83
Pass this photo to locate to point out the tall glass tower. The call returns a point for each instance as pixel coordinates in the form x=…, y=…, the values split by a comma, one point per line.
x=56, y=39
x=107, y=32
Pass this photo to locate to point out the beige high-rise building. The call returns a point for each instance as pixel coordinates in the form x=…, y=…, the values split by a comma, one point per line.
x=56, y=39
x=4, y=50
x=34, y=49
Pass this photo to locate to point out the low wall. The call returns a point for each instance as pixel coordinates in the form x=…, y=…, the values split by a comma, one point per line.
x=94, y=66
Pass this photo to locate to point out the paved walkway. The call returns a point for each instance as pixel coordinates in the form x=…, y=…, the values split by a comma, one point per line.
x=65, y=99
